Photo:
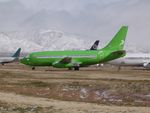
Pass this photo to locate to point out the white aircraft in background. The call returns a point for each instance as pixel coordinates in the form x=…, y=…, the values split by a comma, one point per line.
x=137, y=59
x=14, y=58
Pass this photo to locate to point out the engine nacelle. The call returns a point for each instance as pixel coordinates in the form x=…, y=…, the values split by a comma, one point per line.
x=60, y=65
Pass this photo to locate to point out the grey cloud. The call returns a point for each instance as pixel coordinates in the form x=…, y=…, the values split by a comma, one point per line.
x=98, y=19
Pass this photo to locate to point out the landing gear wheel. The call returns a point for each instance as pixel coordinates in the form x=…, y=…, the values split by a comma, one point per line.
x=33, y=68
x=69, y=68
x=76, y=68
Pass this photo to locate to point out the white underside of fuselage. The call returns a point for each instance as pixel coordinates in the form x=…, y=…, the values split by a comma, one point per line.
x=6, y=59
x=132, y=60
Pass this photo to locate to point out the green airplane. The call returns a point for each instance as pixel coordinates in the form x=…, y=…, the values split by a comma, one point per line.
x=79, y=58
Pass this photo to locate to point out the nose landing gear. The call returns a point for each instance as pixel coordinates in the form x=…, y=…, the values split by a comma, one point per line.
x=33, y=68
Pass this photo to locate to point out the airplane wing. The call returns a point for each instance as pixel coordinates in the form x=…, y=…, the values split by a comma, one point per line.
x=66, y=62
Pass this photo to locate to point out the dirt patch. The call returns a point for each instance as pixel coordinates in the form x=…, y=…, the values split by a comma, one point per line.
x=110, y=92
x=103, y=86
x=18, y=103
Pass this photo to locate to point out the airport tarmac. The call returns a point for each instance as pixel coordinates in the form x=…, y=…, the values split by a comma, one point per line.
x=90, y=90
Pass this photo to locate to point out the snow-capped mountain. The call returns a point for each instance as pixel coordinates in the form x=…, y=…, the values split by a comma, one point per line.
x=46, y=40
x=40, y=40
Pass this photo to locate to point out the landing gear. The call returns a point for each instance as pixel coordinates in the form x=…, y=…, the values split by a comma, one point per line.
x=2, y=64
x=76, y=68
x=69, y=68
x=33, y=68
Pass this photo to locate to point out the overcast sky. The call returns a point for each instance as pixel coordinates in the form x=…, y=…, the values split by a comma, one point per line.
x=97, y=19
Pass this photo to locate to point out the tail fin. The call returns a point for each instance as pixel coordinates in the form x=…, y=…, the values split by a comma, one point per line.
x=95, y=45
x=117, y=43
x=17, y=53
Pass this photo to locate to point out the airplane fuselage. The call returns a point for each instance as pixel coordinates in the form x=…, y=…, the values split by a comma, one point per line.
x=6, y=59
x=84, y=58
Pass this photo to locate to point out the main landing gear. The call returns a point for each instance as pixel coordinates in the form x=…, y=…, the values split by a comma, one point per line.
x=76, y=68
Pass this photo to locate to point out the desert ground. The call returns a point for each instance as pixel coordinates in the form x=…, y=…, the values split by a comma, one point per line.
x=90, y=90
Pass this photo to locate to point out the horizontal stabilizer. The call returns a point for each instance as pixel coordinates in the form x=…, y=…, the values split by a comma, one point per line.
x=120, y=52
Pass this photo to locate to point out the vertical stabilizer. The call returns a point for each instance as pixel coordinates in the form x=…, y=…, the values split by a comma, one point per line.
x=117, y=43
x=95, y=45
x=17, y=53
